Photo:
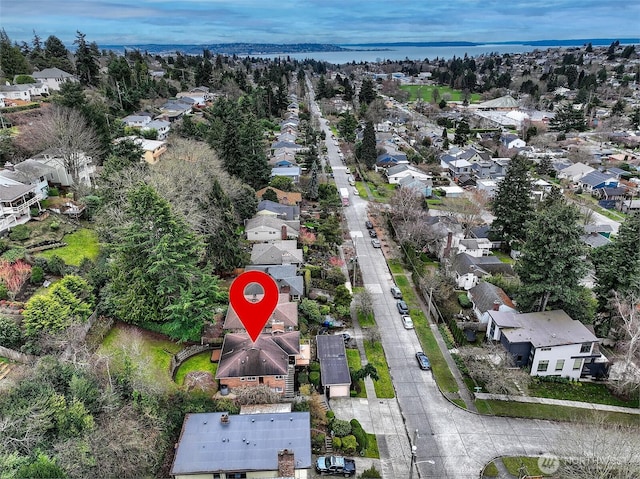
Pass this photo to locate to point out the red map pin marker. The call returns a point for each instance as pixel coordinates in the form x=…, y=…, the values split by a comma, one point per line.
x=253, y=315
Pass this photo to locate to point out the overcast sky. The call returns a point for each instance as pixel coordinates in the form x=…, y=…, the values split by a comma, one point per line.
x=318, y=21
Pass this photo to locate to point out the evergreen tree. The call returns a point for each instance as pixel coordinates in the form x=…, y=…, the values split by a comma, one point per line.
x=155, y=275
x=312, y=188
x=270, y=195
x=568, y=119
x=512, y=202
x=12, y=61
x=445, y=139
x=348, y=91
x=367, y=91
x=57, y=55
x=462, y=132
x=347, y=126
x=204, y=71
x=36, y=55
x=550, y=266
x=87, y=67
x=617, y=265
x=368, y=148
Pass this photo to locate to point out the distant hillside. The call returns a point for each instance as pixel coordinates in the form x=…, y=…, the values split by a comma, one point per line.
x=542, y=43
x=231, y=48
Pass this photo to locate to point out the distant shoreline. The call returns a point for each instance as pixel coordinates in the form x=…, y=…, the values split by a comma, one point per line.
x=244, y=49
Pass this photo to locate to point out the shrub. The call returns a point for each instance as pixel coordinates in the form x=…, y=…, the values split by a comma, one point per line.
x=303, y=378
x=360, y=435
x=349, y=444
x=314, y=378
x=4, y=291
x=340, y=428
x=464, y=301
x=10, y=333
x=53, y=191
x=317, y=441
x=371, y=473
x=336, y=442
x=330, y=415
x=37, y=275
x=314, y=366
x=19, y=233
x=335, y=276
x=55, y=225
x=305, y=389
x=14, y=254
x=56, y=266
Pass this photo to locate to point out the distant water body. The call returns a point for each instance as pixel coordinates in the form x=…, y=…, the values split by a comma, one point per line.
x=403, y=52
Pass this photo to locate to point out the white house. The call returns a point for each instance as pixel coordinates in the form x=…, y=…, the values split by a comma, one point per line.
x=550, y=343
x=161, y=126
x=31, y=173
x=396, y=173
x=16, y=201
x=60, y=174
x=574, y=172
x=268, y=228
x=476, y=247
x=54, y=78
x=488, y=187
x=137, y=121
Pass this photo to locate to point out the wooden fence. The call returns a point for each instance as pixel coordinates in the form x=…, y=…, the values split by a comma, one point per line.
x=16, y=355
x=181, y=356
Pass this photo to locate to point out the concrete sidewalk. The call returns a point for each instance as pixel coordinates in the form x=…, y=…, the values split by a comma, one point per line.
x=558, y=402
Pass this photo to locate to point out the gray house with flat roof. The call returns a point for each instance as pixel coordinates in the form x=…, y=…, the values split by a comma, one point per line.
x=221, y=446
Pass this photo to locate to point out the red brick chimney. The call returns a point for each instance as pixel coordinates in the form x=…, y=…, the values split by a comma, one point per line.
x=496, y=305
x=286, y=463
x=447, y=249
x=283, y=232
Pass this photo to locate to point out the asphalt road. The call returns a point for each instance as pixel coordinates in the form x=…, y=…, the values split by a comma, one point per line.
x=451, y=442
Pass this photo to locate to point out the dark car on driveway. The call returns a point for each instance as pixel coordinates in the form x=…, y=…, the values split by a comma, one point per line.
x=369, y=225
x=373, y=233
x=402, y=307
x=423, y=361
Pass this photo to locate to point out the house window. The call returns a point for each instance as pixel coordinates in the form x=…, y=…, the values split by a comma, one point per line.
x=585, y=348
x=545, y=349
x=237, y=475
x=278, y=390
x=251, y=378
x=577, y=364
x=272, y=232
x=543, y=365
x=559, y=364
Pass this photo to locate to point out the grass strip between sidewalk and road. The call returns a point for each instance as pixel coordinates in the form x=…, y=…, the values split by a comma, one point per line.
x=353, y=361
x=376, y=357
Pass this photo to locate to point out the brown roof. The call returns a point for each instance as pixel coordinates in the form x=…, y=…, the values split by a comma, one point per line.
x=284, y=197
x=268, y=356
x=285, y=312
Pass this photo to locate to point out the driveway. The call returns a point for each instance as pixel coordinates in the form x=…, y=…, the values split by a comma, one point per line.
x=450, y=442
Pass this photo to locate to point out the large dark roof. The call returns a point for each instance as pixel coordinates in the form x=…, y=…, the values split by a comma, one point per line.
x=268, y=356
x=248, y=442
x=333, y=360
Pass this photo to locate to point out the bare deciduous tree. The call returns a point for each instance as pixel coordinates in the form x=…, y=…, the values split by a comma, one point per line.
x=364, y=301
x=625, y=373
x=600, y=449
x=468, y=212
x=69, y=135
x=493, y=366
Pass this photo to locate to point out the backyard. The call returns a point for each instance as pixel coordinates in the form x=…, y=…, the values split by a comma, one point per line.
x=81, y=244
x=425, y=92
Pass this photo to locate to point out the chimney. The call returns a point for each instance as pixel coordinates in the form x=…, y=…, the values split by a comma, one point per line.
x=447, y=249
x=496, y=305
x=277, y=326
x=283, y=232
x=9, y=166
x=286, y=463
x=224, y=418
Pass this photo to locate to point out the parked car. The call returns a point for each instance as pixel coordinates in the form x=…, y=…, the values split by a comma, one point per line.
x=402, y=307
x=407, y=322
x=395, y=292
x=336, y=466
x=368, y=224
x=373, y=233
x=376, y=243
x=356, y=192
x=423, y=361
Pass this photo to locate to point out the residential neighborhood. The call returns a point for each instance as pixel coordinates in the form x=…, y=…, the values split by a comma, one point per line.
x=453, y=242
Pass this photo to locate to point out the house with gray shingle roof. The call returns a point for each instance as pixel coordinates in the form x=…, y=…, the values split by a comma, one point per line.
x=270, y=228
x=335, y=377
x=277, y=252
x=550, y=343
x=486, y=296
x=29, y=172
x=596, y=180
x=286, y=276
x=54, y=78
x=283, y=318
x=216, y=444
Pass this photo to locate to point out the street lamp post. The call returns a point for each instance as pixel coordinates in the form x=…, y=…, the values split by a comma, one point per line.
x=414, y=451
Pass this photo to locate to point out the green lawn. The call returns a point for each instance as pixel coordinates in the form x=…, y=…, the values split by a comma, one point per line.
x=504, y=257
x=375, y=356
x=425, y=92
x=150, y=357
x=407, y=291
x=199, y=362
x=490, y=470
x=531, y=463
x=584, y=392
x=81, y=244
x=396, y=266
x=353, y=360
x=366, y=320
x=553, y=413
x=372, y=447
x=362, y=191
x=439, y=366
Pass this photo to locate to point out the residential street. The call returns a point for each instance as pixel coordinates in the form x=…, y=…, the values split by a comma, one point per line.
x=452, y=442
